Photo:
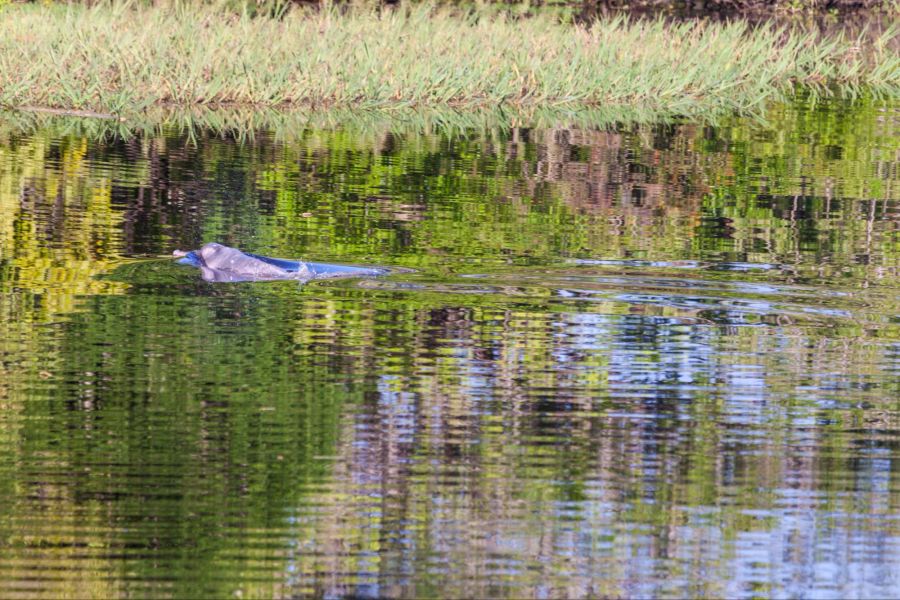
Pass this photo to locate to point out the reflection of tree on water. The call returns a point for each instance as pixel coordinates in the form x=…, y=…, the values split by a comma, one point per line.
x=587, y=439
x=177, y=437
x=663, y=193
x=339, y=441
x=557, y=438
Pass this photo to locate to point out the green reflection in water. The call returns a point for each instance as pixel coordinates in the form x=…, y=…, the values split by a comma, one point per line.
x=648, y=362
x=170, y=439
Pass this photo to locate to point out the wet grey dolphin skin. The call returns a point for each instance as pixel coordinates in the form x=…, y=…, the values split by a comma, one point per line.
x=219, y=263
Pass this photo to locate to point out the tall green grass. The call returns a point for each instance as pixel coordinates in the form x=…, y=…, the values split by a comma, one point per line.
x=124, y=58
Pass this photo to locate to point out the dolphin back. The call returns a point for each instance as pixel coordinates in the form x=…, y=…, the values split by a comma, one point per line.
x=324, y=270
x=318, y=270
x=291, y=266
x=311, y=270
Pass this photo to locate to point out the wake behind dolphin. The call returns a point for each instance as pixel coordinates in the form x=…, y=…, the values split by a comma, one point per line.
x=224, y=264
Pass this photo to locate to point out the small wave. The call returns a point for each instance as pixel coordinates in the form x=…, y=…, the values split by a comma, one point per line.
x=727, y=301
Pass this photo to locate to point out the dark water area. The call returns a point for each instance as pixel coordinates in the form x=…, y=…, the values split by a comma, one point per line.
x=645, y=362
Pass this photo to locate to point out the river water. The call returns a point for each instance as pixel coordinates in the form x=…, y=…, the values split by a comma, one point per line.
x=644, y=361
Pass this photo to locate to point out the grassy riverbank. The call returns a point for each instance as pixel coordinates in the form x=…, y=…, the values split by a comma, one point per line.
x=124, y=59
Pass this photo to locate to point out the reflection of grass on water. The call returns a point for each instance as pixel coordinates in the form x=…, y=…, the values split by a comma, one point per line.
x=123, y=59
x=244, y=123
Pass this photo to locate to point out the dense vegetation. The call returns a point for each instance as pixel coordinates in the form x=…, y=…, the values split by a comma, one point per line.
x=123, y=59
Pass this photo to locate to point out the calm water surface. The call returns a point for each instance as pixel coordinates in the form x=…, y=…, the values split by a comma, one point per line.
x=646, y=362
